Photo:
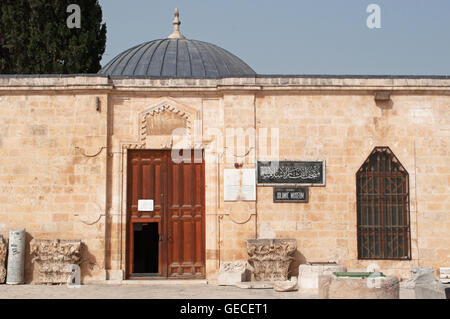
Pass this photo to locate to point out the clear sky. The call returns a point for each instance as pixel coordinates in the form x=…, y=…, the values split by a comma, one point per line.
x=297, y=36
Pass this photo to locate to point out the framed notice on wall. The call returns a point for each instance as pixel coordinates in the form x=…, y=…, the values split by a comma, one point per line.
x=145, y=205
x=291, y=173
x=239, y=185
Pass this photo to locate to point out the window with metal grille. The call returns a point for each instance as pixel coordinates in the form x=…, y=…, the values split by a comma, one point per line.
x=382, y=191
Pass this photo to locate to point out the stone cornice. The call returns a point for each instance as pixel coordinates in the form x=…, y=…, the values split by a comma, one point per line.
x=259, y=83
x=53, y=82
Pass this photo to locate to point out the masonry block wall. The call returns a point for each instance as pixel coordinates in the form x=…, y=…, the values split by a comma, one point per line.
x=63, y=163
x=343, y=128
x=49, y=184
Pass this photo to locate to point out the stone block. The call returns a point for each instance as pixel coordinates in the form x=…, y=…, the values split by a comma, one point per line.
x=233, y=272
x=309, y=273
x=54, y=258
x=115, y=275
x=332, y=287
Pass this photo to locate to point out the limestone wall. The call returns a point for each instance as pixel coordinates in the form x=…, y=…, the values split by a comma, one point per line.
x=48, y=184
x=343, y=128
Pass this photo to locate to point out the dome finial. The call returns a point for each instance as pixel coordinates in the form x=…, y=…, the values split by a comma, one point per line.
x=176, y=27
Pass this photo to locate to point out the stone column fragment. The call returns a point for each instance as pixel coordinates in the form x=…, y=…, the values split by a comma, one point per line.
x=16, y=257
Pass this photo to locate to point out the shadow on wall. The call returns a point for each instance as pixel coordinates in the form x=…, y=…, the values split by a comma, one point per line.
x=29, y=273
x=385, y=104
x=87, y=263
x=298, y=259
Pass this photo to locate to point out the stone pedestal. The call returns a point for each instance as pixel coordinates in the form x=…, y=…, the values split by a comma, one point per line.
x=115, y=275
x=54, y=258
x=234, y=272
x=16, y=257
x=271, y=258
x=3, y=251
x=332, y=287
x=309, y=273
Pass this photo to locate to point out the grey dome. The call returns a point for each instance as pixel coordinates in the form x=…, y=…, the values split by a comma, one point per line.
x=177, y=58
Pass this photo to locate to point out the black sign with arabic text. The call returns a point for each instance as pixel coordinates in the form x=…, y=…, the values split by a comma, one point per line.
x=291, y=172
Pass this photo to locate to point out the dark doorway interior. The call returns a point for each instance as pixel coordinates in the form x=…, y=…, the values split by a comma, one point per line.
x=146, y=252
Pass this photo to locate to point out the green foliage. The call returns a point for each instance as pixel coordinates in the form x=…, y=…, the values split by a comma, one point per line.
x=35, y=39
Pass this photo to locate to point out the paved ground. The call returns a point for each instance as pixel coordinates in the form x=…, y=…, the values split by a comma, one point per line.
x=137, y=291
x=144, y=292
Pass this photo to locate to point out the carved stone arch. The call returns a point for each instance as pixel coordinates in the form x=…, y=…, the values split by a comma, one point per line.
x=162, y=118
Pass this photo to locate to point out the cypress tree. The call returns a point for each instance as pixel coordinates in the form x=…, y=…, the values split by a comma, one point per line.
x=35, y=38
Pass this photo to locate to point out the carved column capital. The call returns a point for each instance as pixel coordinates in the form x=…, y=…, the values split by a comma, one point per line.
x=54, y=257
x=271, y=258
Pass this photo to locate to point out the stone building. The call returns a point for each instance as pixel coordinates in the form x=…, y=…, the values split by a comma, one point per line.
x=96, y=158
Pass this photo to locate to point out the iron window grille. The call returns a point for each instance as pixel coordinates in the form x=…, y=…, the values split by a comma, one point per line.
x=382, y=191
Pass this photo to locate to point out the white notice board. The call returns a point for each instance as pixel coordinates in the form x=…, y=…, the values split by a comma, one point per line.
x=145, y=205
x=239, y=184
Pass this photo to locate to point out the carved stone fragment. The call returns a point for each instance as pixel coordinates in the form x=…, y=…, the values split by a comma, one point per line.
x=54, y=258
x=284, y=286
x=255, y=285
x=3, y=251
x=271, y=258
x=425, y=284
x=419, y=275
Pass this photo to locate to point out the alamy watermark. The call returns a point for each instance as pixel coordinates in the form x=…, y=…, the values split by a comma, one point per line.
x=231, y=145
x=74, y=279
x=374, y=19
x=74, y=19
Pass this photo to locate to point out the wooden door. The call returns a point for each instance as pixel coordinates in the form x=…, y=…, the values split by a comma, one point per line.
x=147, y=179
x=178, y=193
x=186, y=219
